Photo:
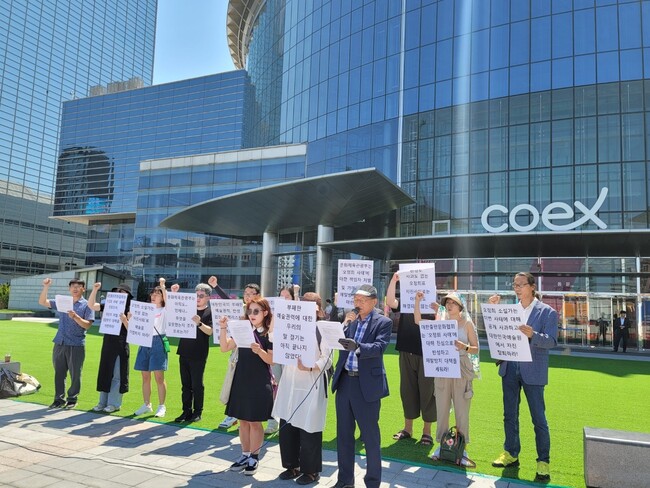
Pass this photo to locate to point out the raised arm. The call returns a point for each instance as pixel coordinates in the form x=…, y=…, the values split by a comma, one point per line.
x=212, y=281
x=391, y=299
x=42, y=299
x=225, y=343
x=417, y=316
x=92, y=298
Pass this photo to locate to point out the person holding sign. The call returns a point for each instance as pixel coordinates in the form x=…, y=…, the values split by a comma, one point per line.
x=113, y=372
x=360, y=384
x=301, y=405
x=70, y=340
x=251, y=393
x=154, y=358
x=540, y=327
x=416, y=390
x=193, y=355
x=456, y=390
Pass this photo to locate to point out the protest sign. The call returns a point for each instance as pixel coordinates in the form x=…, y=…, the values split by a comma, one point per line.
x=294, y=333
x=352, y=273
x=505, y=339
x=113, y=306
x=141, y=323
x=179, y=310
x=414, y=277
x=233, y=309
x=440, y=356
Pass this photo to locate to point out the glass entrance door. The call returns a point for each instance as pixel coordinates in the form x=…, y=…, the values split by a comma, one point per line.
x=600, y=321
x=576, y=320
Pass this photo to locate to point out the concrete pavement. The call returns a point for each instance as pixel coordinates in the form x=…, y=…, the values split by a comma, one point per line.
x=71, y=449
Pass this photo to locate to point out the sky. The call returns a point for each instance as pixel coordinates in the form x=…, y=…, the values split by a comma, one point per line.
x=190, y=40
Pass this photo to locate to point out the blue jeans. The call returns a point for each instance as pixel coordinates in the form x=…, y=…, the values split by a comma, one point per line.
x=113, y=397
x=512, y=385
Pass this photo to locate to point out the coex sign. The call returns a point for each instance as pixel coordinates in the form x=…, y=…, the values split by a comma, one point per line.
x=552, y=214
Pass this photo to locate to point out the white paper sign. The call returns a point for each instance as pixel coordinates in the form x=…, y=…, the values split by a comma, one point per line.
x=330, y=333
x=273, y=300
x=220, y=307
x=351, y=275
x=441, y=358
x=113, y=307
x=63, y=303
x=294, y=333
x=506, y=341
x=179, y=310
x=414, y=277
x=141, y=323
x=241, y=332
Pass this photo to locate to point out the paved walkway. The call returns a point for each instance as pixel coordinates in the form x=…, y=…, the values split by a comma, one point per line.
x=70, y=449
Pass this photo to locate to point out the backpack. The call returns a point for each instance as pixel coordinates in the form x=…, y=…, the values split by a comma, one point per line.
x=452, y=446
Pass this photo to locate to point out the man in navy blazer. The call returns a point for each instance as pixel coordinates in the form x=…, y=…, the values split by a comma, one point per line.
x=621, y=328
x=360, y=384
x=540, y=326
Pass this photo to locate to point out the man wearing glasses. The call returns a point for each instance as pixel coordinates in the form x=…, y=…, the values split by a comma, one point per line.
x=69, y=342
x=540, y=327
x=193, y=354
x=360, y=383
x=251, y=291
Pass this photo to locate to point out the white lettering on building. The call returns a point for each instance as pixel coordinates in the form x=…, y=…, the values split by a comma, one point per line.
x=553, y=212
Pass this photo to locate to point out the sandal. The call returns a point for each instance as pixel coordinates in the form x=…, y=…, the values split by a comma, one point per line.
x=308, y=478
x=426, y=440
x=402, y=434
x=289, y=474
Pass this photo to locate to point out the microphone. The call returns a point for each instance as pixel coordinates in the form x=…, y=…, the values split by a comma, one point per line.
x=356, y=312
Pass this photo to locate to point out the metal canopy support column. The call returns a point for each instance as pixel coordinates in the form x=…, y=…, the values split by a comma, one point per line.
x=269, y=276
x=324, y=263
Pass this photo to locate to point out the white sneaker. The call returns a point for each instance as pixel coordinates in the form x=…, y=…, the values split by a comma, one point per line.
x=111, y=409
x=227, y=422
x=465, y=461
x=271, y=426
x=146, y=408
x=99, y=407
x=161, y=411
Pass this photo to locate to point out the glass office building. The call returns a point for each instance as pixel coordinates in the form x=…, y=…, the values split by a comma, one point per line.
x=519, y=129
x=51, y=52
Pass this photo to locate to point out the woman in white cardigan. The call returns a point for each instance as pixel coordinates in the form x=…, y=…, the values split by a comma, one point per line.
x=301, y=405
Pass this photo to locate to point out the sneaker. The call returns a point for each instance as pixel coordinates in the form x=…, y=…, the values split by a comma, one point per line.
x=240, y=464
x=543, y=472
x=99, y=407
x=111, y=409
x=465, y=461
x=251, y=467
x=195, y=417
x=505, y=460
x=182, y=417
x=70, y=405
x=436, y=454
x=271, y=426
x=57, y=404
x=146, y=408
x=227, y=422
x=160, y=411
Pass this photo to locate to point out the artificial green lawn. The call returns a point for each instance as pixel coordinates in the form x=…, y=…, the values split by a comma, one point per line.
x=591, y=392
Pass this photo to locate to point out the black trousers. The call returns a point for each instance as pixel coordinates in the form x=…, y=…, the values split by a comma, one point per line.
x=192, y=383
x=301, y=449
x=620, y=335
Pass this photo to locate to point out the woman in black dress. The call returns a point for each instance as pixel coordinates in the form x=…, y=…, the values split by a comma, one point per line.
x=251, y=394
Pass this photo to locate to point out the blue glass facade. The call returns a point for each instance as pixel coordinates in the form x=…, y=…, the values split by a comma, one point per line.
x=51, y=52
x=105, y=138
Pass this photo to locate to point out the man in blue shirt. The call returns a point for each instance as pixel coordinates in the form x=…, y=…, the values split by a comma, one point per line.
x=69, y=342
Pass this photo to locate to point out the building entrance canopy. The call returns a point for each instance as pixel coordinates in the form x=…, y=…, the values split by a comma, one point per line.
x=331, y=200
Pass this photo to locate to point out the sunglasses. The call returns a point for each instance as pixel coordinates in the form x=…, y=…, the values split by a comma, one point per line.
x=200, y=296
x=253, y=311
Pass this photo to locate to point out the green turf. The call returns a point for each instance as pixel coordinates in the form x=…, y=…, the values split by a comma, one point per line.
x=582, y=392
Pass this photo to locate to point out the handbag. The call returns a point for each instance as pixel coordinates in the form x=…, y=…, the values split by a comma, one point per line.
x=452, y=448
x=224, y=396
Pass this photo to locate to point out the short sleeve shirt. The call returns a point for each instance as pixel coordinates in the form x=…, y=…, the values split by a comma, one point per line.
x=69, y=332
